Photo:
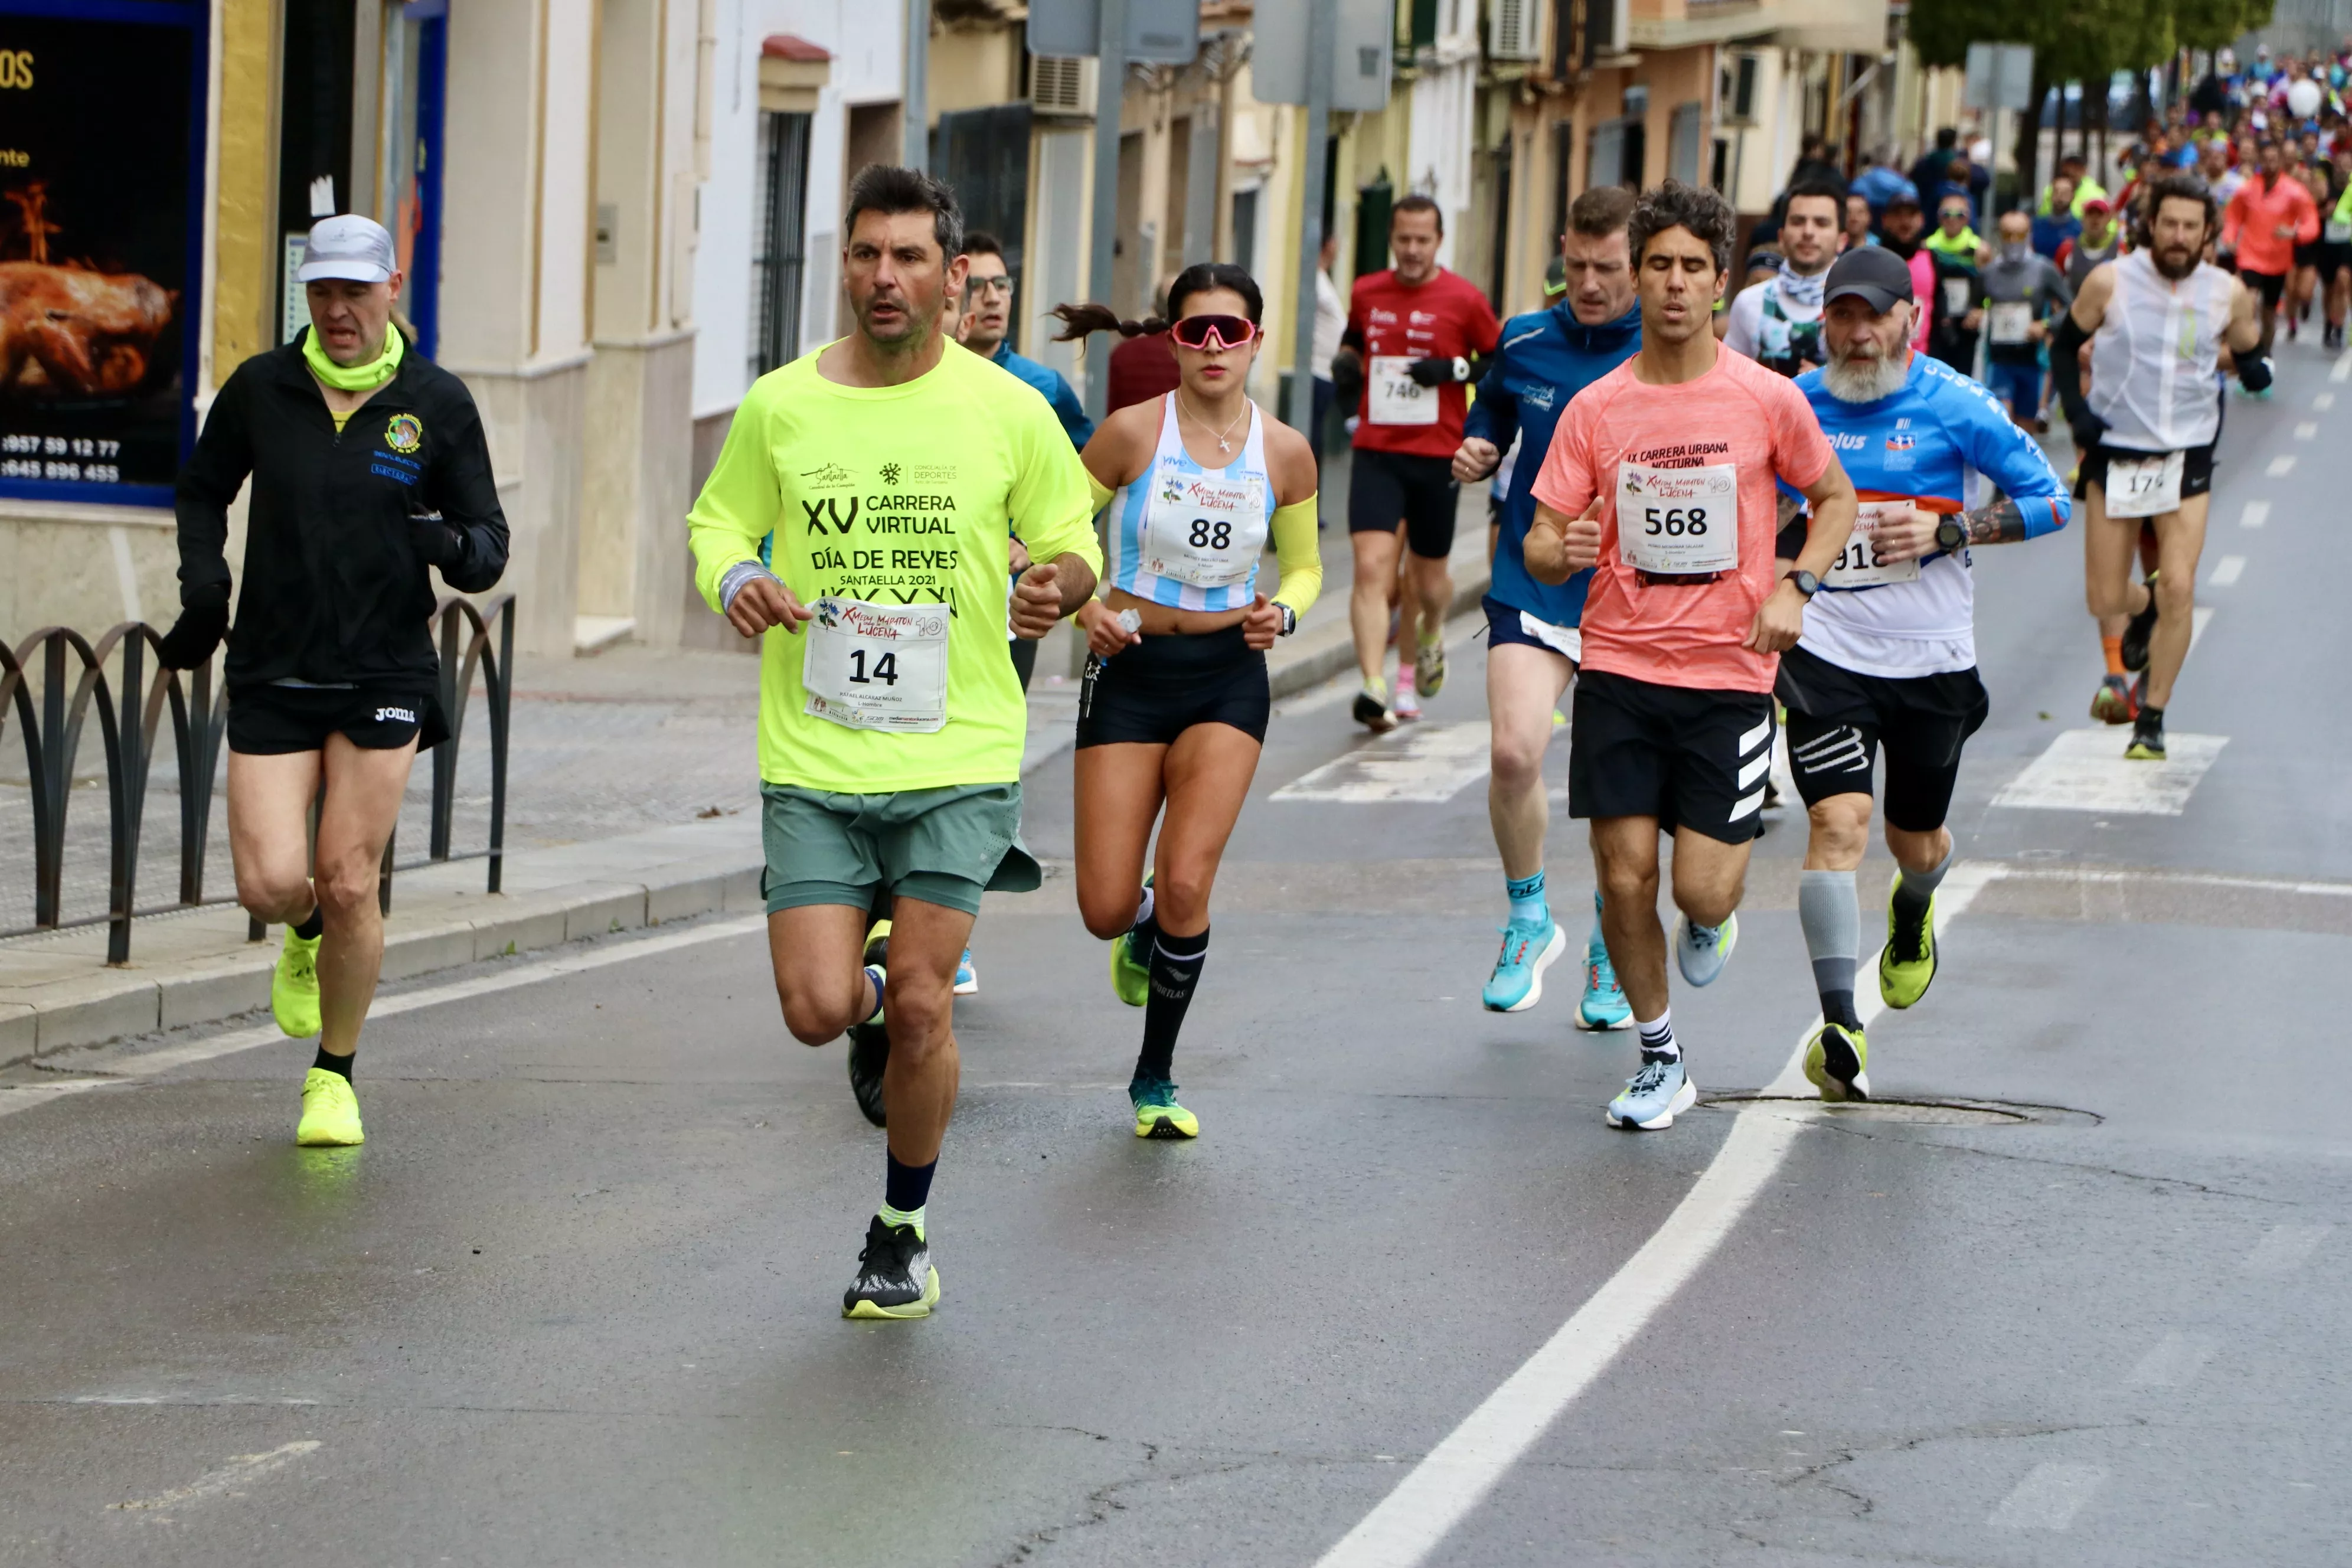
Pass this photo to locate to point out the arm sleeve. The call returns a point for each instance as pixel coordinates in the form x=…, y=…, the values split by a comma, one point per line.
x=1051, y=504
x=215, y=471
x=1493, y=414
x=1071, y=414
x=1102, y=493
x=467, y=494
x=739, y=505
x=1296, y=552
x=2005, y=454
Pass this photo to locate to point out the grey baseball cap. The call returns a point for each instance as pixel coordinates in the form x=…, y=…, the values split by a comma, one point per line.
x=352, y=246
x=1877, y=277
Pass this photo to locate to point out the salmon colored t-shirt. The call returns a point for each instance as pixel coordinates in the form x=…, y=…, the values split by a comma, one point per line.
x=1686, y=633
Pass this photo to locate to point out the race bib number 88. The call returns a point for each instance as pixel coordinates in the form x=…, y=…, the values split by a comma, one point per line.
x=1678, y=523
x=878, y=666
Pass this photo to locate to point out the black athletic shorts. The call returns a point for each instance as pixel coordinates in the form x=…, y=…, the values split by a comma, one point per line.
x=1389, y=487
x=1156, y=689
x=2335, y=255
x=1691, y=759
x=1839, y=719
x=2196, y=468
x=268, y=720
x=2270, y=285
x=2307, y=254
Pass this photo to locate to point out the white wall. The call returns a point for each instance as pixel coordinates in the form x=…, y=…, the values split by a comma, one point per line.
x=865, y=37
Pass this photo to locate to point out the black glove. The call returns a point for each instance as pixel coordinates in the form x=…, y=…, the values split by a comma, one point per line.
x=436, y=543
x=2253, y=373
x=2086, y=433
x=1438, y=371
x=193, y=637
x=1347, y=378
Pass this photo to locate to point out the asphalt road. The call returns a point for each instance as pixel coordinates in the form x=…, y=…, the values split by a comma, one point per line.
x=575, y=1302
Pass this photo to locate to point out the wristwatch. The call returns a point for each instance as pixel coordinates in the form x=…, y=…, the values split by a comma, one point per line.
x=1807, y=584
x=1950, y=537
x=1289, y=619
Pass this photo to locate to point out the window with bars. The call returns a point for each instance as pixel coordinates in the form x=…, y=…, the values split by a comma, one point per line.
x=780, y=248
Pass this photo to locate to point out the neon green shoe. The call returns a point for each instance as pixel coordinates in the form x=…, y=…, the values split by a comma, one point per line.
x=1836, y=1058
x=331, y=1111
x=1157, y=1114
x=294, y=985
x=1130, y=973
x=1906, y=964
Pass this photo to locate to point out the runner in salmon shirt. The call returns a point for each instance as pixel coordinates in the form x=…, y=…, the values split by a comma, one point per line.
x=2268, y=217
x=1421, y=330
x=1662, y=476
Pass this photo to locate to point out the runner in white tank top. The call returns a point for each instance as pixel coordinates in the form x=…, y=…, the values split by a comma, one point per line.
x=2156, y=321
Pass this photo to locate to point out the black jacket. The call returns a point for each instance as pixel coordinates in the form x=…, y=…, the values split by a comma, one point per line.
x=334, y=588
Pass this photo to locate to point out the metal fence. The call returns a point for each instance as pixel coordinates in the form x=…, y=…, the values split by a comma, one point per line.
x=52, y=681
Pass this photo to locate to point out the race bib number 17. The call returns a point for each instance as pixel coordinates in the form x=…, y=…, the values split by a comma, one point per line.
x=2144, y=487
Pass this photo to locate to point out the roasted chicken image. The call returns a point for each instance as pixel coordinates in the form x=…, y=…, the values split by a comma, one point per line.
x=70, y=331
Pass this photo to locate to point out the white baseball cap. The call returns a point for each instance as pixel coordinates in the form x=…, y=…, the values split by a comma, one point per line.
x=352, y=246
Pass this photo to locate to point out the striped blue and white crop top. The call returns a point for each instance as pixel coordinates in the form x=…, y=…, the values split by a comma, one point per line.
x=1190, y=537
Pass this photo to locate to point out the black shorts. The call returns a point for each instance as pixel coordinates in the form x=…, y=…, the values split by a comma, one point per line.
x=1389, y=487
x=2196, y=468
x=1691, y=759
x=268, y=720
x=2307, y=254
x=1838, y=719
x=2270, y=285
x=1506, y=625
x=2335, y=255
x=1155, y=691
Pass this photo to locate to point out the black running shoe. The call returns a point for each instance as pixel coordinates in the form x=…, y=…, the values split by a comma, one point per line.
x=2147, y=737
x=869, y=1041
x=2136, y=631
x=895, y=1277
x=1373, y=714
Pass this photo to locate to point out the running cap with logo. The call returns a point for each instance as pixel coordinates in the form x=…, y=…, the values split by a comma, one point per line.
x=348, y=247
x=1875, y=276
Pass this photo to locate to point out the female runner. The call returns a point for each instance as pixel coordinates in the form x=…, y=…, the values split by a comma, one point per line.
x=1174, y=704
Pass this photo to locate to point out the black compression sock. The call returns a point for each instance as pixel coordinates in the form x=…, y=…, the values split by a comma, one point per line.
x=309, y=929
x=1175, y=970
x=341, y=1066
x=905, y=1187
x=1837, y=1007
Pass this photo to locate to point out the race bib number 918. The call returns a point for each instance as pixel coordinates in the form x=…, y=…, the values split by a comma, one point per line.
x=1859, y=564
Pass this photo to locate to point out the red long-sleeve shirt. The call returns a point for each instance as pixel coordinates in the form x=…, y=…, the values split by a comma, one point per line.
x=2250, y=225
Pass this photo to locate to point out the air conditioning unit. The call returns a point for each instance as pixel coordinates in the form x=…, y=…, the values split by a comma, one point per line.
x=1608, y=24
x=1512, y=29
x=1738, y=106
x=1062, y=84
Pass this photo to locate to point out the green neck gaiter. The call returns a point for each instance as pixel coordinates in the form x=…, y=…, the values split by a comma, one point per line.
x=364, y=377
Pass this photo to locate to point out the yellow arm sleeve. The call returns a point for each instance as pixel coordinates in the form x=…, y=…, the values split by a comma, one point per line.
x=1100, y=491
x=1294, y=550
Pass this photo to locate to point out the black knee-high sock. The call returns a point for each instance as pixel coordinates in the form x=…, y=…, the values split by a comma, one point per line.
x=1175, y=970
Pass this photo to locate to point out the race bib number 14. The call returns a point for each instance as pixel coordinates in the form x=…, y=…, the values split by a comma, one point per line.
x=878, y=666
x=1678, y=523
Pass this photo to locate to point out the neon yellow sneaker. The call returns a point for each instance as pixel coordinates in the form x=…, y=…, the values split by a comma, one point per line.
x=1835, y=1062
x=1157, y=1114
x=294, y=985
x=1130, y=971
x=1906, y=964
x=331, y=1111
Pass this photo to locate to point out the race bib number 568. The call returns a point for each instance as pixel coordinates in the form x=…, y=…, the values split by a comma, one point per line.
x=1678, y=523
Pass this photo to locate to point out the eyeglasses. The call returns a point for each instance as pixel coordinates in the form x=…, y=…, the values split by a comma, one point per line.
x=1211, y=333
x=978, y=286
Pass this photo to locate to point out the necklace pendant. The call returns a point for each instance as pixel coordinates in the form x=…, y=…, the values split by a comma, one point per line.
x=1224, y=445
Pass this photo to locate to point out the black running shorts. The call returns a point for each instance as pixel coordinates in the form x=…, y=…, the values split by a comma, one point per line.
x=1691, y=759
x=1839, y=719
x=1389, y=487
x=268, y=720
x=1156, y=689
x=2335, y=255
x=2196, y=470
x=2270, y=285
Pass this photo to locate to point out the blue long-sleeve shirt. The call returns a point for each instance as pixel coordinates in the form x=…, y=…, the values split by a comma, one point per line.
x=1055, y=390
x=1545, y=358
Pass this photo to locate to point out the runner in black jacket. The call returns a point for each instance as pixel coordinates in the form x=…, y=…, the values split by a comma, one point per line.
x=368, y=465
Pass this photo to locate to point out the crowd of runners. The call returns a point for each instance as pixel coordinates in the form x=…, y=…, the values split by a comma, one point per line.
x=1720, y=511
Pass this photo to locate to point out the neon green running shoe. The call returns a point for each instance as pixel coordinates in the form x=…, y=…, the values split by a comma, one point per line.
x=1157, y=1114
x=1906, y=964
x=1836, y=1058
x=331, y=1111
x=1130, y=971
x=294, y=985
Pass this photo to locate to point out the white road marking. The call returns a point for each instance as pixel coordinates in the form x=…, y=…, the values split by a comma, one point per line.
x=1440, y=1491
x=2281, y=465
x=2085, y=770
x=2226, y=570
x=1960, y=887
x=18, y=1097
x=151, y=1063
x=2324, y=402
x=2285, y=1248
x=236, y=1473
x=2342, y=369
x=2177, y=1358
x=2257, y=513
x=1423, y=761
x=2198, y=619
x=2048, y=1498
x=2192, y=878
x=2308, y=430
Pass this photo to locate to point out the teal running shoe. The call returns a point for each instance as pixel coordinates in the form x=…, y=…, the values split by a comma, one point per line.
x=1157, y=1114
x=967, y=980
x=1655, y=1096
x=1604, y=1005
x=1701, y=951
x=1529, y=950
